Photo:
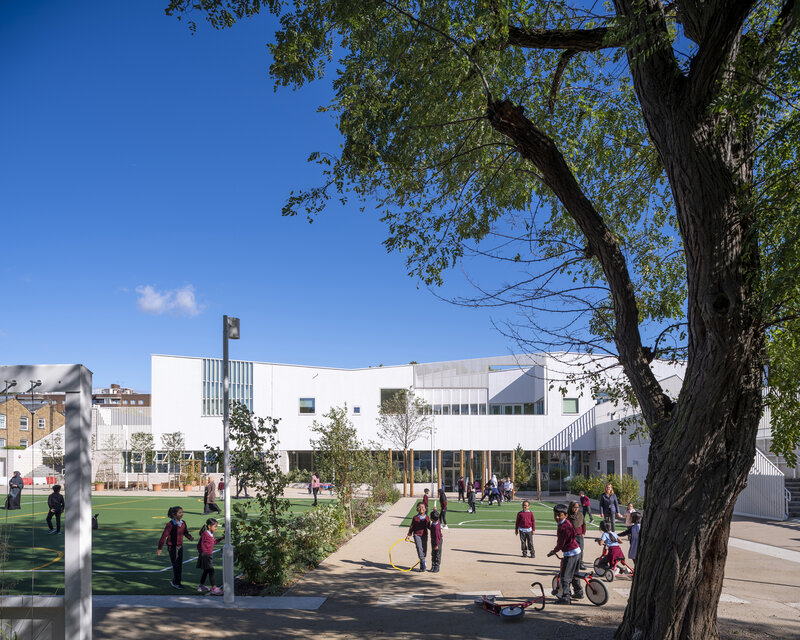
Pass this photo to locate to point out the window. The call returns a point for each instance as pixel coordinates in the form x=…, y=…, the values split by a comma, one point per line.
x=23, y=442
x=356, y=411
x=445, y=409
x=455, y=409
x=437, y=409
x=496, y=409
x=2, y=441
x=240, y=385
x=534, y=408
x=569, y=405
x=482, y=409
x=308, y=405
x=609, y=467
x=2, y=422
x=388, y=395
x=464, y=409
x=140, y=401
x=23, y=423
x=41, y=423
x=473, y=410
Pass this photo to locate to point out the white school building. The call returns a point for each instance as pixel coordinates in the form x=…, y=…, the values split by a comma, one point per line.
x=481, y=409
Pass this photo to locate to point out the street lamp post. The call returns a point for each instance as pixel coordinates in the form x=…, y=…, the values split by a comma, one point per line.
x=230, y=330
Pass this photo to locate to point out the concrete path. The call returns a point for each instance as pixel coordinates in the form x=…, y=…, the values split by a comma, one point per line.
x=366, y=598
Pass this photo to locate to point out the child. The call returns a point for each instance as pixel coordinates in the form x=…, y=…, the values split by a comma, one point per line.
x=443, y=507
x=471, y=499
x=578, y=523
x=613, y=550
x=174, y=533
x=419, y=529
x=509, y=490
x=461, y=489
x=629, y=513
x=524, y=528
x=436, y=542
x=55, y=502
x=425, y=498
x=494, y=495
x=633, y=532
x=566, y=543
x=586, y=506
x=205, y=560
x=210, y=497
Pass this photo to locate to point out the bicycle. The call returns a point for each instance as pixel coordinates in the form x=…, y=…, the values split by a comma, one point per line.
x=596, y=591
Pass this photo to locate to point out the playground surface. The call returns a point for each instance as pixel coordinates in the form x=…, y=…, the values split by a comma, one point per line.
x=364, y=597
x=124, y=559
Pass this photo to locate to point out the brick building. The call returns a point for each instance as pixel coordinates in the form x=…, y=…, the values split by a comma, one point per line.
x=23, y=422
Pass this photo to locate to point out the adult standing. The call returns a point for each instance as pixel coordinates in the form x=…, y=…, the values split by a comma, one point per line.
x=579, y=524
x=14, y=491
x=443, y=507
x=211, y=497
x=315, y=485
x=609, y=506
x=461, y=490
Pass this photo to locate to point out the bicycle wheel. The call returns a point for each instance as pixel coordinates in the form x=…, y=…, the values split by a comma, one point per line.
x=555, y=586
x=597, y=592
x=508, y=614
x=598, y=571
x=608, y=576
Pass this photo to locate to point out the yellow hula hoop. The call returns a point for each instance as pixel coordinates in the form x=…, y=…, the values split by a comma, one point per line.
x=390, y=557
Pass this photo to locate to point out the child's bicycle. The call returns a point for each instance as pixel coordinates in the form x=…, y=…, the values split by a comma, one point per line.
x=602, y=568
x=515, y=611
x=595, y=591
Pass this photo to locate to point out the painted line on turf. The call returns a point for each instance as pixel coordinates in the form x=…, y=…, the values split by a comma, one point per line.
x=94, y=570
x=41, y=513
x=58, y=553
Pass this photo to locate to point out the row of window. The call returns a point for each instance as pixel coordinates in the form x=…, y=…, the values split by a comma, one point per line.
x=23, y=423
x=240, y=385
x=23, y=442
x=568, y=406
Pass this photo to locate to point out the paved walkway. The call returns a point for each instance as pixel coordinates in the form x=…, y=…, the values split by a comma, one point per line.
x=366, y=598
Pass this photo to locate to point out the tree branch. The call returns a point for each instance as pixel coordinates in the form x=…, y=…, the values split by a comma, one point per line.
x=575, y=39
x=563, y=61
x=720, y=40
x=538, y=148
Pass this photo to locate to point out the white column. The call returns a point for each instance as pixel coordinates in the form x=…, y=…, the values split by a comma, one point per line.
x=78, y=523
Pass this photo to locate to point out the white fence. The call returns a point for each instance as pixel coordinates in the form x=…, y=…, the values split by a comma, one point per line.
x=765, y=493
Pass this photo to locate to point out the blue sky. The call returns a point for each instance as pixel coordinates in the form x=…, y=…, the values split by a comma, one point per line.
x=142, y=173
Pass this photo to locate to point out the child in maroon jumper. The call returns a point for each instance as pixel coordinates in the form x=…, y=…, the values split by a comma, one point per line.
x=174, y=533
x=586, y=506
x=436, y=542
x=524, y=528
x=568, y=545
x=205, y=559
x=419, y=529
x=425, y=498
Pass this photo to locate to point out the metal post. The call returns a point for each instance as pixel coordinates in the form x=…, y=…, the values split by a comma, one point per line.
x=620, y=452
x=230, y=329
x=124, y=453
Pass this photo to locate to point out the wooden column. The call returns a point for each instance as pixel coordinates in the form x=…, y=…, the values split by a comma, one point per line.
x=538, y=476
x=471, y=468
x=411, y=472
x=489, y=469
x=461, y=458
x=405, y=472
x=486, y=475
x=513, y=475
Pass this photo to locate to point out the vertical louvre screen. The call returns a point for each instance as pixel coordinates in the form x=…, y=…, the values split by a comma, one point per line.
x=240, y=381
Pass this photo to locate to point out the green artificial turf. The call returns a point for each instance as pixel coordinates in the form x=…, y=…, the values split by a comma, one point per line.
x=494, y=517
x=124, y=559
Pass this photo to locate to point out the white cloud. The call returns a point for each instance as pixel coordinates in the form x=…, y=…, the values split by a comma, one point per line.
x=177, y=301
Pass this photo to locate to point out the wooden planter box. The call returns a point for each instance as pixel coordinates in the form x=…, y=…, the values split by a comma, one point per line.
x=187, y=487
x=99, y=486
x=157, y=486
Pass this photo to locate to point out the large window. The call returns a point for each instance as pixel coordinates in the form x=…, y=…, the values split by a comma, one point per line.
x=23, y=423
x=308, y=405
x=389, y=394
x=2, y=422
x=240, y=385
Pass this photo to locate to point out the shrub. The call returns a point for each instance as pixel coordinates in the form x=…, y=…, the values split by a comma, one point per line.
x=364, y=512
x=626, y=487
x=298, y=475
x=315, y=534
